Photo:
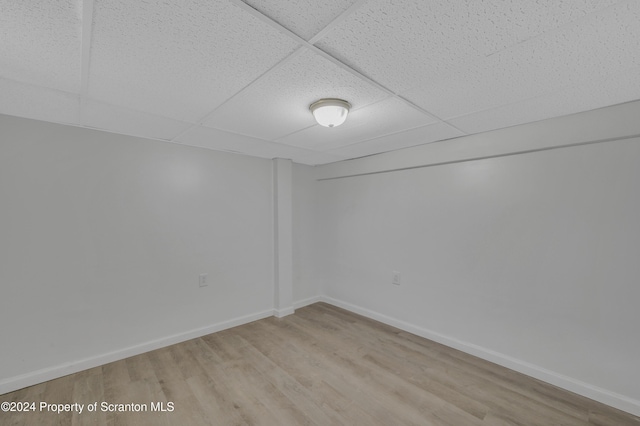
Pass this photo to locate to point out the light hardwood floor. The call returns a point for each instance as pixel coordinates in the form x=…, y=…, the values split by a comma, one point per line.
x=320, y=366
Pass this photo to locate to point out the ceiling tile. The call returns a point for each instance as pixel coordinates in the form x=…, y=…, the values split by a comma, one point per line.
x=220, y=140
x=382, y=118
x=421, y=135
x=582, y=53
x=278, y=103
x=120, y=120
x=42, y=42
x=619, y=88
x=39, y=103
x=503, y=78
x=178, y=59
x=405, y=43
x=303, y=17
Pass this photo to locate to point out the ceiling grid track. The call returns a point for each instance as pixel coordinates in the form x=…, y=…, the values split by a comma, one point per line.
x=337, y=20
x=206, y=118
x=325, y=55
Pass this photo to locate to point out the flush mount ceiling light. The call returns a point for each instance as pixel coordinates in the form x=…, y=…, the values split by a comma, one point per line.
x=330, y=112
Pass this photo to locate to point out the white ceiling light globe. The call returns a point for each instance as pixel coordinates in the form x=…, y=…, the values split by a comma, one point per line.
x=330, y=112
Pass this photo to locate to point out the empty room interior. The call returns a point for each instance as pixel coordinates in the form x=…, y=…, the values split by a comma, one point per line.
x=279, y=212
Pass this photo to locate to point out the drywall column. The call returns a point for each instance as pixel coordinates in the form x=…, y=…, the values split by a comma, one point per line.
x=283, y=237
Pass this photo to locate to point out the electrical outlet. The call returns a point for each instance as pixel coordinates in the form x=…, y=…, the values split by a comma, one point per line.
x=202, y=280
x=395, y=279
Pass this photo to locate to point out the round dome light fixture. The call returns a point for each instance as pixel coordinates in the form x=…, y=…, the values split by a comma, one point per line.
x=330, y=112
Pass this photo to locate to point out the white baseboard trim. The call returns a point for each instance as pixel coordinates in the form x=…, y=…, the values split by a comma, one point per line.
x=581, y=388
x=305, y=302
x=279, y=313
x=604, y=396
x=39, y=376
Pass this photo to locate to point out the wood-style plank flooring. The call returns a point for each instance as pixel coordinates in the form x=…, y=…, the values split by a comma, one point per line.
x=320, y=366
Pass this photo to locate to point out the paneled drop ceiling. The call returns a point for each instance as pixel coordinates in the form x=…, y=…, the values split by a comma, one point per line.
x=239, y=76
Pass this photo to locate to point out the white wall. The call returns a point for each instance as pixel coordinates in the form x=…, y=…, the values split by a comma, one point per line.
x=529, y=260
x=102, y=239
x=306, y=280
